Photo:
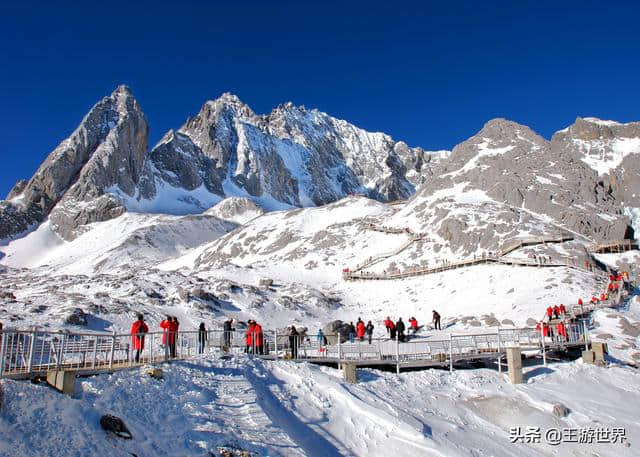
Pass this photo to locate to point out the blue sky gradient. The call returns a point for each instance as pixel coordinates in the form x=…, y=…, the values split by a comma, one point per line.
x=428, y=73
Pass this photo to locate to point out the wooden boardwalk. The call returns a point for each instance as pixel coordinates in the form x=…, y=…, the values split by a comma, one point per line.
x=358, y=273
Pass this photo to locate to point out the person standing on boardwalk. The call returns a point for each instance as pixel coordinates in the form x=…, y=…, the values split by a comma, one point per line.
x=174, y=325
x=436, y=320
x=400, y=329
x=388, y=324
x=369, y=331
x=138, y=331
x=258, y=338
x=227, y=329
x=164, y=325
x=293, y=342
x=413, y=324
x=360, y=330
x=352, y=332
x=249, y=338
x=202, y=338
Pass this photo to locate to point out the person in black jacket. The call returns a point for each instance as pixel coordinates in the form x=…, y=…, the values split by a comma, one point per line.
x=352, y=333
x=369, y=330
x=227, y=327
x=436, y=320
x=202, y=338
x=293, y=342
x=400, y=330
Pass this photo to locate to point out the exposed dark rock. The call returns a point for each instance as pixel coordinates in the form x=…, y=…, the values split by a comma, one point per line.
x=115, y=425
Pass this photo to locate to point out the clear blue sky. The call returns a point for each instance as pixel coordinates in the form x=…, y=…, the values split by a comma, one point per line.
x=428, y=73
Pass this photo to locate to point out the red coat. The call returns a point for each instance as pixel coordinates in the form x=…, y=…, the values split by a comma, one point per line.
x=615, y=286
x=360, y=329
x=164, y=325
x=258, y=336
x=561, y=329
x=580, y=301
x=249, y=337
x=563, y=310
x=556, y=309
x=545, y=330
x=173, y=331
x=137, y=340
x=414, y=323
x=549, y=311
x=602, y=297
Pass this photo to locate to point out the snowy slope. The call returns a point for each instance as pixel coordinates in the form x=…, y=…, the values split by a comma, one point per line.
x=287, y=409
x=131, y=240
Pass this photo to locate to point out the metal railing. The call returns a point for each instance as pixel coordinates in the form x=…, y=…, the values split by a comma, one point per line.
x=34, y=352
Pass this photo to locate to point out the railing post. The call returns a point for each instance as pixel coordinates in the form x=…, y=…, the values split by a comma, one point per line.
x=450, y=353
x=586, y=340
x=95, y=351
x=113, y=348
x=397, y=353
x=544, y=349
x=275, y=342
x=3, y=351
x=339, y=350
x=32, y=344
x=499, y=354
x=61, y=353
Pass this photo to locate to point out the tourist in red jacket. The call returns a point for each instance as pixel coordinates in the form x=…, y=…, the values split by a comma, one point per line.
x=549, y=312
x=360, y=329
x=562, y=331
x=164, y=325
x=138, y=331
x=563, y=310
x=258, y=338
x=388, y=324
x=413, y=324
x=556, y=311
x=579, y=301
x=174, y=325
x=249, y=338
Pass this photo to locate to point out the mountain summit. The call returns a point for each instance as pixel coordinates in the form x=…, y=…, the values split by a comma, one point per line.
x=291, y=157
x=586, y=179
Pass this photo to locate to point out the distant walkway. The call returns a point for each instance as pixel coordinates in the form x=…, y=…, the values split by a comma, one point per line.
x=357, y=272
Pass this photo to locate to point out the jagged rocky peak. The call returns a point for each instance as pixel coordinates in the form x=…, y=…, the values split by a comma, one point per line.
x=108, y=148
x=594, y=129
x=607, y=147
x=516, y=168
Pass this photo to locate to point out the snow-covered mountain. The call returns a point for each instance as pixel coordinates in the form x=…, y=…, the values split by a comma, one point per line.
x=252, y=216
x=291, y=157
x=233, y=197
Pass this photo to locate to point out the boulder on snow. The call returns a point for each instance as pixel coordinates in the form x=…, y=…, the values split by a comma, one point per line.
x=156, y=373
x=77, y=317
x=7, y=295
x=266, y=282
x=628, y=328
x=559, y=410
x=203, y=295
x=508, y=322
x=335, y=328
x=115, y=425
